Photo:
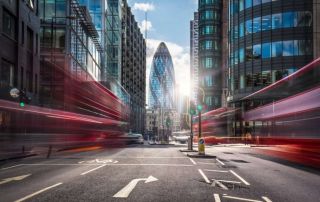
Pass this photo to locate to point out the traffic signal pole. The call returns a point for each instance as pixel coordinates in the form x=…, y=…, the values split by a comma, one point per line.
x=191, y=133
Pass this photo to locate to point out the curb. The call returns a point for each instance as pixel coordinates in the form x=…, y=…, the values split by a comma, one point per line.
x=18, y=157
x=201, y=156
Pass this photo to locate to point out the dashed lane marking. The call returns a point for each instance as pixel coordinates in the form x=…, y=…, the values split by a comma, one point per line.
x=218, y=171
x=239, y=177
x=192, y=161
x=266, y=199
x=11, y=167
x=38, y=192
x=241, y=199
x=221, y=162
x=89, y=171
x=205, y=163
x=217, y=198
x=204, y=176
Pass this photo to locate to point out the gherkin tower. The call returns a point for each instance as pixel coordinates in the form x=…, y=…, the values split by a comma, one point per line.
x=162, y=80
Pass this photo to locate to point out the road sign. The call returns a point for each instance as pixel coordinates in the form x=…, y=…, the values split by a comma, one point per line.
x=125, y=191
x=201, y=147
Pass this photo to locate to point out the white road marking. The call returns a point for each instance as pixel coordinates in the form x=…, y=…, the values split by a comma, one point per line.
x=240, y=178
x=216, y=198
x=133, y=164
x=218, y=171
x=11, y=167
x=266, y=199
x=125, y=191
x=38, y=192
x=17, y=178
x=204, y=176
x=228, y=181
x=221, y=162
x=222, y=186
x=241, y=199
x=89, y=171
x=194, y=163
x=205, y=163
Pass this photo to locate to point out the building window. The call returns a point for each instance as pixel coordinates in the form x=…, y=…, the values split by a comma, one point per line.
x=242, y=82
x=256, y=25
x=288, y=48
x=208, y=81
x=208, y=100
x=241, y=55
x=248, y=3
x=241, y=30
x=277, y=49
x=6, y=74
x=248, y=27
x=266, y=23
x=9, y=24
x=266, y=50
x=276, y=21
x=288, y=19
x=207, y=62
x=257, y=51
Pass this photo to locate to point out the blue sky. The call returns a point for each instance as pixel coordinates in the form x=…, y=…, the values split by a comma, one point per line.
x=168, y=21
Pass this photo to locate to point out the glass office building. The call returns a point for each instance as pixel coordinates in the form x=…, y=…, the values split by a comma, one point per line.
x=162, y=80
x=210, y=54
x=268, y=40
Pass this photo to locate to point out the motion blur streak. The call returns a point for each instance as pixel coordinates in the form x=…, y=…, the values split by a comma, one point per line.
x=286, y=119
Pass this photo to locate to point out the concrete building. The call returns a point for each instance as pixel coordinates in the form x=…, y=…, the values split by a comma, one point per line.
x=194, y=61
x=133, y=68
x=19, y=53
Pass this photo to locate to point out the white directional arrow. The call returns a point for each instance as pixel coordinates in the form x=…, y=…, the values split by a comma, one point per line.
x=4, y=181
x=125, y=192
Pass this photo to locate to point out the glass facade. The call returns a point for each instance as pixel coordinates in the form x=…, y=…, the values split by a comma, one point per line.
x=267, y=42
x=162, y=80
x=210, y=52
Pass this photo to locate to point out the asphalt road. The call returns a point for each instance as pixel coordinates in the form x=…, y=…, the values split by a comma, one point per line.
x=156, y=173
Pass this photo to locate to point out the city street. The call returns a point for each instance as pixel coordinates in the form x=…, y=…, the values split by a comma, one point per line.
x=157, y=173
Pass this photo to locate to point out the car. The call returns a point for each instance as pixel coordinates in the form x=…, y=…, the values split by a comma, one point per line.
x=135, y=138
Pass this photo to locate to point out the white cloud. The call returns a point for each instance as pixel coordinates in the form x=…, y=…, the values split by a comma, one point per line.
x=181, y=61
x=143, y=7
x=145, y=25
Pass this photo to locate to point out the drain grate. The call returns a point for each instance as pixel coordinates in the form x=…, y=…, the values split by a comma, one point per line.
x=228, y=153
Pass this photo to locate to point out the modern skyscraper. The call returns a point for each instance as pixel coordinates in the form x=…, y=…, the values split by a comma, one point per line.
x=210, y=76
x=133, y=68
x=162, y=80
x=70, y=49
x=268, y=40
x=194, y=61
x=113, y=39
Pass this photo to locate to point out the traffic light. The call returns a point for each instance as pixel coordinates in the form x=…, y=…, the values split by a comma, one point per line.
x=23, y=98
x=199, y=107
x=192, y=109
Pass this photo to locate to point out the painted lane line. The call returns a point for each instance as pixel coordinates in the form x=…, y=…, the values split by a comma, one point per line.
x=205, y=163
x=38, y=192
x=89, y=171
x=240, y=178
x=228, y=181
x=17, y=178
x=132, y=164
x=204, y=176
x=192, y=161
x=217, y=198
x=266, y=199
x=11, y=167
x=222, y=186
x=241, y=199
x=218, y=171
x=221, y=162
